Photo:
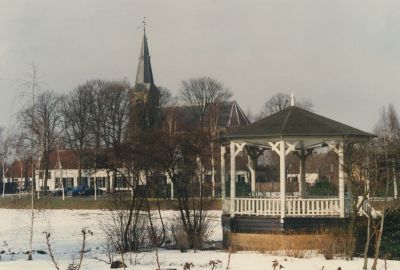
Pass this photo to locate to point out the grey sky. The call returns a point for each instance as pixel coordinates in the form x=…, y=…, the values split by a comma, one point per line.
x=343, y=55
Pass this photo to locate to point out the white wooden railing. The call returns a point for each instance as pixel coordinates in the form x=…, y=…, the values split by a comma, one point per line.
x=312, y=206
x=295, y=206
x=257, y=206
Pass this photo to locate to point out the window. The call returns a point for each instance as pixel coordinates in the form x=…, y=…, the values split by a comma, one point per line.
x=41, y=174
x=121, y=182
x=57, y=183
x=83, y=181
x=101, y=182
x=68, y=182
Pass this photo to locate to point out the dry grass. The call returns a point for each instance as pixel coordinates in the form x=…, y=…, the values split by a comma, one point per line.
x=339, y=243
x=299, y=245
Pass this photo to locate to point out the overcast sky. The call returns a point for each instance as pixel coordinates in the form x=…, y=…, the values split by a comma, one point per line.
x=343, y=55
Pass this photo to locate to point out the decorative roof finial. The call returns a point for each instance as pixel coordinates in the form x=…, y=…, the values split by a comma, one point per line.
x=144, y=24
x=292, y=99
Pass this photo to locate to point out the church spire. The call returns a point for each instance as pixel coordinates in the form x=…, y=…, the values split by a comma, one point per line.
x=144, y=73
x=145, y=94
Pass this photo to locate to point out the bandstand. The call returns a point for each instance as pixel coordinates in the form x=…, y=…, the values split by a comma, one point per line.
x=293, y=130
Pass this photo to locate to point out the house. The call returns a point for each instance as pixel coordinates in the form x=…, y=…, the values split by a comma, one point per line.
x=18, y=176
x=63, y=172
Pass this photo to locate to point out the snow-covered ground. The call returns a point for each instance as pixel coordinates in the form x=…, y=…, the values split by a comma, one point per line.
x=65, y=228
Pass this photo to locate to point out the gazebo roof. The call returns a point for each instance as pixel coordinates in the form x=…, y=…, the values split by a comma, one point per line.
x=296, y=122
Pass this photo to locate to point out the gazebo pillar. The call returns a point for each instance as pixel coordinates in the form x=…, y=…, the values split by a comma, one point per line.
x=340, y=153
x=223, y=185
x=302, y=180
x=339, y=150
x=253, y=153
x=252, y=169
x=280, y=148
x=233, y=178
x=235, y=148
x=282, y=178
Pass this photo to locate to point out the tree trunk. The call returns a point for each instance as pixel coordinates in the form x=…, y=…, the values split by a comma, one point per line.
x=79, y=171
x=46, y=172
x=366, y=246
x=4, y=179
x=108, y=183
x=378, y=243
x=382, y=222
x=395, y=189
x=212, y=170
x=112, y=182
x=32, y=215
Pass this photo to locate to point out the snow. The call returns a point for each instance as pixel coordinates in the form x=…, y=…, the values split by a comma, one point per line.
x=65, y=228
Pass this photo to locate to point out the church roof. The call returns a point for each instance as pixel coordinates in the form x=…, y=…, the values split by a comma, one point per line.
x=230, y=115
x=144, y=75
x=294, y=121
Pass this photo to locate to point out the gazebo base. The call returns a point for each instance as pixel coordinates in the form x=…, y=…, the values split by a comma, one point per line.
x=242, y=225
x=293, y=244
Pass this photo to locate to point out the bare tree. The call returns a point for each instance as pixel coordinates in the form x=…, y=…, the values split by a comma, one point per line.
x=205, y=96
x=281, y=101
x=27, y=121
x=116, y=110
x=166, y=97
x=76, y=112
x=201, y=93
x=23, y=159
x=44, y=120
x=3, y=156
x=179, y=155
x=5, y=143
x=388, y=131
x=97, y=125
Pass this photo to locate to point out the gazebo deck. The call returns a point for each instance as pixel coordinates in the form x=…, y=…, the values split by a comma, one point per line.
x=296, y=206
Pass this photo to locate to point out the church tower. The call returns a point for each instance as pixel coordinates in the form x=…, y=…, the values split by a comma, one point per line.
x=145, y=94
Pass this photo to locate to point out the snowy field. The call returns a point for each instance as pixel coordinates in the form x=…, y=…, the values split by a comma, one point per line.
x=65, y=227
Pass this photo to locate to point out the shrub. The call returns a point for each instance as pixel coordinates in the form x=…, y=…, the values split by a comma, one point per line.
x=323, y=188
x=242, y=188
x=391, y=235
x=336, y=242
x=125, y=228
x=193, y=236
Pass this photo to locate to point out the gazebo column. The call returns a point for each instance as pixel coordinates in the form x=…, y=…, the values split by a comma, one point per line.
x=282, y=151
x=302, y=182
x=340, y=153
x=235, y=149
x=223, y=185
x=347, y=169
x=282, y=178
x=233, y=178
x=339, y=150
x=303, y=155
x=253, y=153
x=252, y=169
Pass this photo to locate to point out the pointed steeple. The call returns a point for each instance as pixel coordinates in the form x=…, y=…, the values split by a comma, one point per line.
x=144, y=73
x=145, y=94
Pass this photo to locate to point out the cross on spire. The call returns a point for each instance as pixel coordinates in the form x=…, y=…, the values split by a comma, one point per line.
x=144, y=24
x=144, y=72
